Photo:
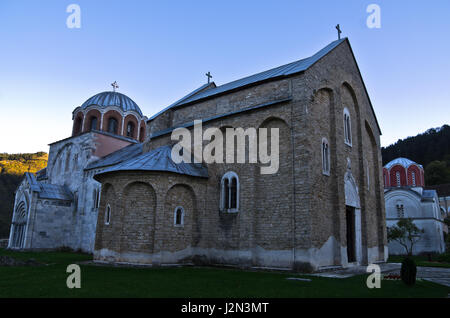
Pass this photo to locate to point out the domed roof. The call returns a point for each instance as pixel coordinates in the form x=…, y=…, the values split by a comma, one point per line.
x=404, y=162
x=106, y=99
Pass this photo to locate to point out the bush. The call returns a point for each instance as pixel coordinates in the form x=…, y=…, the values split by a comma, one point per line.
x=408, y=271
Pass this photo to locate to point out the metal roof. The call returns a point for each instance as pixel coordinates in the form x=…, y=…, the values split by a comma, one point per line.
x=205, y=120
x=54, y=192
x=429, y=194
x=116, y=157
x=106, y=99
x=278, y=72
x=201, y=88
x=159, y=159
x=284, y=70
x=404, y=162
x=47, y=190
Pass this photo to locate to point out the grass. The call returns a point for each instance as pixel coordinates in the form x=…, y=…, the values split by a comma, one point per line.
x=105, y=281
x=441, y=260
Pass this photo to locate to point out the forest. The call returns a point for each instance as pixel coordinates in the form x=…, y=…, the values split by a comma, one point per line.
x=12, y=168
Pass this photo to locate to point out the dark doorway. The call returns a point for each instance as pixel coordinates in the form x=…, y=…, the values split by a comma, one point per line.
x=350, y=217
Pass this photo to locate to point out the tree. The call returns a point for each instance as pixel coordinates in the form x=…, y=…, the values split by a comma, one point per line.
x=406, y=233
x=436, y=172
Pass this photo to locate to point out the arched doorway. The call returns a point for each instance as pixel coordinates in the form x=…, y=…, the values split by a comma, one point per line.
x=19, y=226
x=352, y=217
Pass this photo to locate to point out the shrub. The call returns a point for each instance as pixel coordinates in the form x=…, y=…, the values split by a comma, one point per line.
x=408, y=271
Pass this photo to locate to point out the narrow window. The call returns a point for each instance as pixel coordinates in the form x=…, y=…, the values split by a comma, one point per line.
x=98, y=199
x=400, y=210
x=347, y=128
x=325, y=157
x=112, y=125
x=108, y=215
x=397, y=176
x=93, y=125
x=77, y=126
x=130, y=130
x=67, y=165
x=227, y=193
x=94, y=197
x=413, y=175
x=229, y=201
x=178, y=218
x=233, y=193
x=141, y=134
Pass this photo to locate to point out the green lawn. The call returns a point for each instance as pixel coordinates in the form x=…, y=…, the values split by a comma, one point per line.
x=105, y=281
x=442, y=260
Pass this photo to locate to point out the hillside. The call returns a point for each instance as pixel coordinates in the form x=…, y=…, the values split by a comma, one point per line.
x=431, y=149
x=12, y=168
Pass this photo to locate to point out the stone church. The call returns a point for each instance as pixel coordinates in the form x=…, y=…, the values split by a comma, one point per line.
x=323, y=207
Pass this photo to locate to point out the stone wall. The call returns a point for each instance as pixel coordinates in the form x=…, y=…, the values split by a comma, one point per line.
x=292, y=217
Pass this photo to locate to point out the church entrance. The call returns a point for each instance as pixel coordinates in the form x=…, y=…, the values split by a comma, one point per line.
x=351, y=235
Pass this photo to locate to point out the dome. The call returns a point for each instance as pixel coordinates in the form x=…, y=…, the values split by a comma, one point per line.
x=404, y=162
x=106, y=99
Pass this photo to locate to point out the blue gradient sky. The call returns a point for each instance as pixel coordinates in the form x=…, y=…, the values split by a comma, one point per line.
x=160, y=50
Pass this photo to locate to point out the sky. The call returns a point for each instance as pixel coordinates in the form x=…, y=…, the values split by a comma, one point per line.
x=158, y=51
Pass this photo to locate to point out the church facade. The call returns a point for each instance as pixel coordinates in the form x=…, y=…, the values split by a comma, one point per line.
x=324, y=206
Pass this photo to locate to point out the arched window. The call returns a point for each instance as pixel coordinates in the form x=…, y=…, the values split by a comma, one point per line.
x=347, y=128
x=67, y=165
x=130, y=129
x=96, y=198
x=112, y=126
x=325, y=157
x=178, y=216
x=397, y=176
x=413, y=176
x=108, y=215
x=77, y=126
x=400, y=210
x=93, y=123
x=141, y=134
x=229, y=192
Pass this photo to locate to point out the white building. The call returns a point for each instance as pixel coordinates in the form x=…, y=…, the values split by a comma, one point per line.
x=405, y=197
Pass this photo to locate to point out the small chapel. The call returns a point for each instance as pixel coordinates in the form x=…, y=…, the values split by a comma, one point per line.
x=113, y=188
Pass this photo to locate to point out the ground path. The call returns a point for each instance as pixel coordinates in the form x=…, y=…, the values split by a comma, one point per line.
x=434, y=274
